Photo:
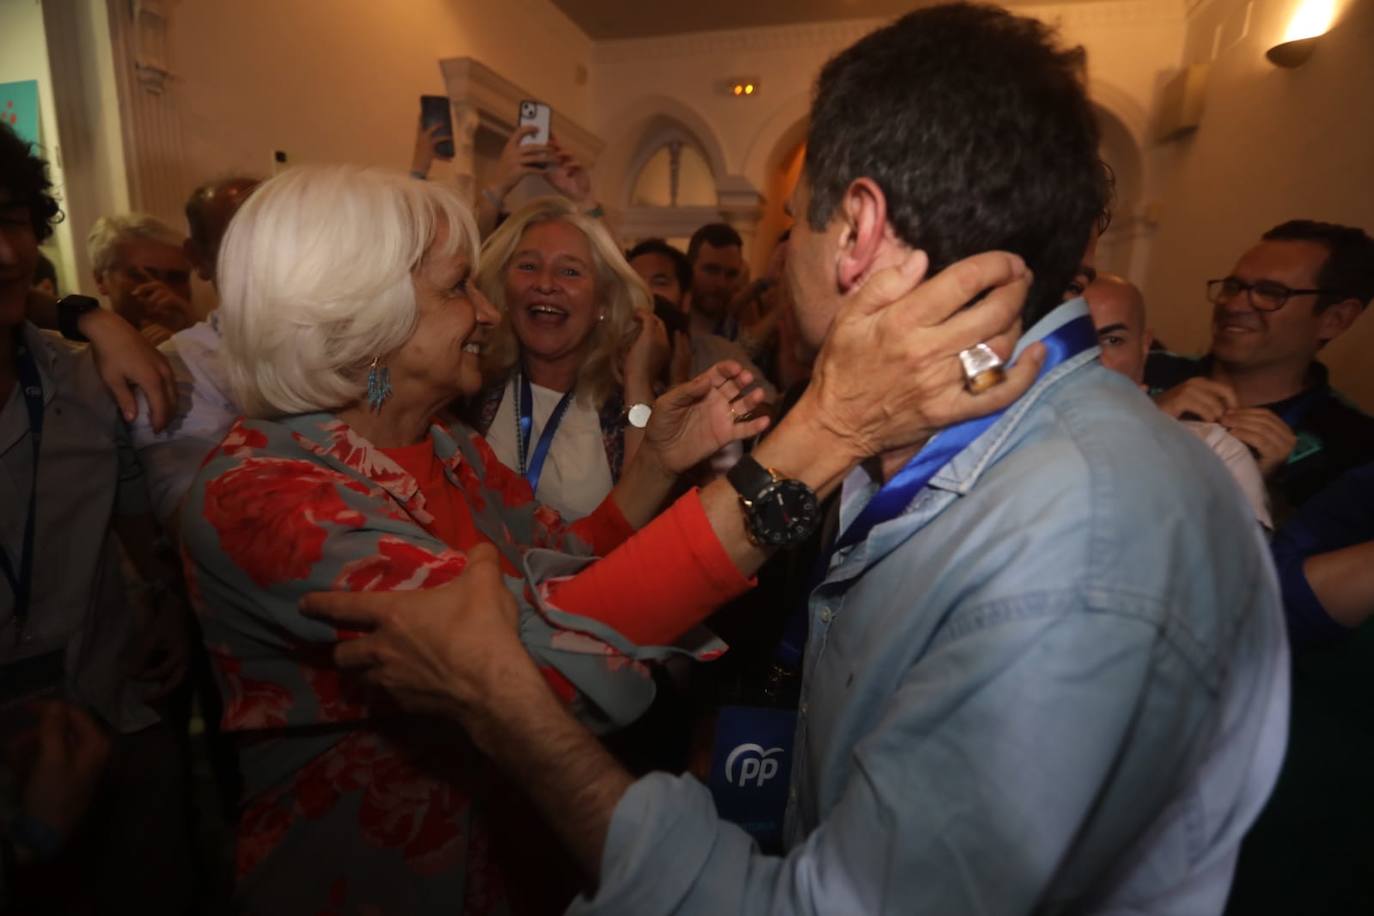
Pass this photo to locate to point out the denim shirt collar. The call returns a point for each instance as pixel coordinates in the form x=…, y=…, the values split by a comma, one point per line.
x=962, y=472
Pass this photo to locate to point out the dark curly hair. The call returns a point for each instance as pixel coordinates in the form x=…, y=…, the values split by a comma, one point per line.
x=1349, y=268
x=978, y=129
x=24, y=177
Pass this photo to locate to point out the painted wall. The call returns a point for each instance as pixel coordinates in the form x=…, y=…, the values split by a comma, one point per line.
x=24, y=56
x=1132, y=45
x=340, y=82
x=1273, y=145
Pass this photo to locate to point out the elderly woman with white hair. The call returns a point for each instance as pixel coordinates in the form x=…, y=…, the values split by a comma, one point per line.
x=348, y=324
x=141, y=267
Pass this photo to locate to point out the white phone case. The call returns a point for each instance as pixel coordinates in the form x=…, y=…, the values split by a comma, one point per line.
x=538, y=114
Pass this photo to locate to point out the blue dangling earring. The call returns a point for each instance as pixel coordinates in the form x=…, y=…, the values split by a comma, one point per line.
x=378, y=384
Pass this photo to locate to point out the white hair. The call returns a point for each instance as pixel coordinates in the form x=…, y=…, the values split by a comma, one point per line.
x=315, y=281
x=110, y=232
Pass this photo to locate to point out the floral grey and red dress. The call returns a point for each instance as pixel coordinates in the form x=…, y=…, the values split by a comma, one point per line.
x=351, y=806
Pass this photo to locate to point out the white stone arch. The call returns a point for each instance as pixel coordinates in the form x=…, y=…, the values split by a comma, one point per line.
x=639, y=126
x=779, y=134
x=1123, y=124
x=775, y=141
x=647, y=125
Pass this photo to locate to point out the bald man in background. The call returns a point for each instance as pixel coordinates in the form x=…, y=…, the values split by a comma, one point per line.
x=1118, y=313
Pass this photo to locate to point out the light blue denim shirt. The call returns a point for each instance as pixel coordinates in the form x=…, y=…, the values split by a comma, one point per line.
x=1056, y=683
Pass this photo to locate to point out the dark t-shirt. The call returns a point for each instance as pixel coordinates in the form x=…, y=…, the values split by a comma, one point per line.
x=1334, y=436
x=1312, y=850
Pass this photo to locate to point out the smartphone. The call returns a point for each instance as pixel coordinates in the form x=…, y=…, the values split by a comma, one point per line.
x=538, y=114
x=673, y=318
x=434, y=109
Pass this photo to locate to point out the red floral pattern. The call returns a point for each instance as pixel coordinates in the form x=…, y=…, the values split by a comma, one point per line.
x=240, y=441
x=248, y=702
x=403, y=807
x=263, y=824
x=308, y=504
x=339, y=700
x=400, y=564
x=270, y=513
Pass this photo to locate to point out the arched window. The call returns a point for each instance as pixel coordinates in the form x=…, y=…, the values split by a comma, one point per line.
x=676, y=175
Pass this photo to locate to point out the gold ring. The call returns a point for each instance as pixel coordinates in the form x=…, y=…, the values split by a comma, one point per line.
x=982, y=368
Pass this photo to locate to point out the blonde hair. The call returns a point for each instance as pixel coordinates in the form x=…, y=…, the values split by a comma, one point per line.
x=315, y=281
x=110, y=232
x=620, y=292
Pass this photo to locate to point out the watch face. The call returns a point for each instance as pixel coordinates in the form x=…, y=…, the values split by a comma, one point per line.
x=784, y=514
x=638, y=415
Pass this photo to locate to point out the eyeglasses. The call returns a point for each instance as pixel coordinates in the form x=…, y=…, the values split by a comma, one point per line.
x=1265, y=295
x=141, y=274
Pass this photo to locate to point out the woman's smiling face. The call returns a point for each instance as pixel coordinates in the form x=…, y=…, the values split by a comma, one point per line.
x=551, y=290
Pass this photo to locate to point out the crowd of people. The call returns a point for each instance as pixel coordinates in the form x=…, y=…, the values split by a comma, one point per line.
x=487, y=556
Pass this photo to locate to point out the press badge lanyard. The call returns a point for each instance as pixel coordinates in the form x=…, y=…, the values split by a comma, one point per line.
x=1065, y=342
x=21, y=581
x=524, y=425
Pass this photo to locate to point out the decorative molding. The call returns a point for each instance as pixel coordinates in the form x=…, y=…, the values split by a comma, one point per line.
x=150, y=45
x=636, y=223
x=841, y=33
x=819, y=35
x=482, y=97
x=154, y=145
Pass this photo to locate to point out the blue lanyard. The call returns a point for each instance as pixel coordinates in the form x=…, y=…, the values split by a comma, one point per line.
x=21, y=583
x=892, y=499
x=524, y=425
x=1297, y=407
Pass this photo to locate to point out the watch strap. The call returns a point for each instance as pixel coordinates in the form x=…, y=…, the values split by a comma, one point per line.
x=749, y=478
x=69, y=312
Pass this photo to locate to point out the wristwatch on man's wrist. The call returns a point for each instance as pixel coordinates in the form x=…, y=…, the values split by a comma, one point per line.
x=778, y=511
x=69, y=312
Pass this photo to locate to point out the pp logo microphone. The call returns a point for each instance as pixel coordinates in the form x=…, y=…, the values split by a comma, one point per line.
x=757, y=764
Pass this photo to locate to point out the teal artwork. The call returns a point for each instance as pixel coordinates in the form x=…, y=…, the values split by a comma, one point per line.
x=19, y=108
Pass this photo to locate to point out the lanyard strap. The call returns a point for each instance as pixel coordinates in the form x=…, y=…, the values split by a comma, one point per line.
x=1297, y=407
x=891, y=500
x=524, y=425
x=1067, y=341
x=21, y=582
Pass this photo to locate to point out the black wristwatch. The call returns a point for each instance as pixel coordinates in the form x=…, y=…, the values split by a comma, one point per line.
x=69, y=312
x=778, y=511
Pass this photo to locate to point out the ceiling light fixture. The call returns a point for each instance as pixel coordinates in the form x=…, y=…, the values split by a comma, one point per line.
x=741, y=86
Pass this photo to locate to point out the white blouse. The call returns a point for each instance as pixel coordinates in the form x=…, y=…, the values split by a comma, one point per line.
x=576, y=475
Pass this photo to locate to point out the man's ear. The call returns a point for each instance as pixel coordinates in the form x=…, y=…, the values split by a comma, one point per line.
x=1336, y=319
x=100, y=282
x=863, y=212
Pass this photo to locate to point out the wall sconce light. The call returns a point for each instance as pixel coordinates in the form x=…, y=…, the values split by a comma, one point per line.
x=1311, y=21
x=741, y=86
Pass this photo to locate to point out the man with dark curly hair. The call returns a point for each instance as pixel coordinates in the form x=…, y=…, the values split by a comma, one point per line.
x=69, y=484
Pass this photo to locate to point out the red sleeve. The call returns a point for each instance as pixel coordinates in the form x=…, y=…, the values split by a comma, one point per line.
x=606, y=528
x=661, y=582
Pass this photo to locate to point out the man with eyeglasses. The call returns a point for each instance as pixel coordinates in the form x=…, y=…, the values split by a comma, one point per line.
x=1300, y=288
x=140, y=266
